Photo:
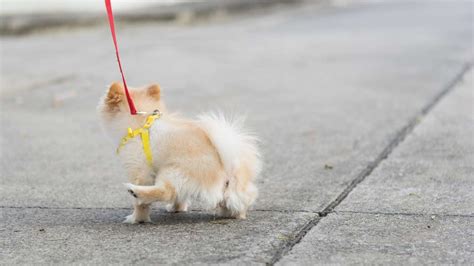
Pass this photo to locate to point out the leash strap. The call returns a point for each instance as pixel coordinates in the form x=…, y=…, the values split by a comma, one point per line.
x=110, y=14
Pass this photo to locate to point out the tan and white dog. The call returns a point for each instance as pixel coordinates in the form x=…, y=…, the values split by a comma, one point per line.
x=208, y=159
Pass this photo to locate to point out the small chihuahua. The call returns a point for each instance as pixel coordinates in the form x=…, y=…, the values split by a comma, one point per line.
x=210, y=159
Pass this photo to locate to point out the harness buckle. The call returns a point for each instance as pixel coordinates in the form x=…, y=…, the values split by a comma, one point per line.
x=155, y=112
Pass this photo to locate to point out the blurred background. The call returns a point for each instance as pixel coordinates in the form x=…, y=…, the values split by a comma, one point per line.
x=58, y=6
x=364, y=109
x=19, y=16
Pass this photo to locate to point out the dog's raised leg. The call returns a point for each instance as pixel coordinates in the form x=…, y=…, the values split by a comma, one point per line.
x=164, y=191
x=141, y=212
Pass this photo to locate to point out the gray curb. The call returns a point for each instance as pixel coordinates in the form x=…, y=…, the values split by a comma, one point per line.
x=184, y=13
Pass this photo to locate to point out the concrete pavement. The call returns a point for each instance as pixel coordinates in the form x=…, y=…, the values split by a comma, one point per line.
x=332, y=92
x=416, y=206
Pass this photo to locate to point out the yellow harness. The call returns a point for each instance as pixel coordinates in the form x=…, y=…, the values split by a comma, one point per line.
x=144, y=134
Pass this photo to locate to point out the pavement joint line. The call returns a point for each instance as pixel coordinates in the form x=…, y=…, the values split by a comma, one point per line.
x=399, y=137
x=64, y=208
x=286, y=211
x=406, y=214
x=126, y=208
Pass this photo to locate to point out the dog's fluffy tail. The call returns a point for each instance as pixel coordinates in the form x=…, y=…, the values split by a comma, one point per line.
x=236, y=147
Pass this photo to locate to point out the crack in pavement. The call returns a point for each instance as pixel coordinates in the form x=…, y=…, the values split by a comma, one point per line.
x=399, y=137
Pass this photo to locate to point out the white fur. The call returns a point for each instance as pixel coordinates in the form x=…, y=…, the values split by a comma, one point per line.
x=233, y=145
x=231, y=141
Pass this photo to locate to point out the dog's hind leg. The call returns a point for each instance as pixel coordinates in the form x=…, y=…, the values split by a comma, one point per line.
x=163, y=191
x=177, y=206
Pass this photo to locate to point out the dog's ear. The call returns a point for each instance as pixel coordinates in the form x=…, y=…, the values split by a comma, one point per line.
x=154, y=91
x=115, y=94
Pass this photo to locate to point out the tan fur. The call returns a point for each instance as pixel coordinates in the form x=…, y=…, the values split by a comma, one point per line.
x=114, y=97
x=154, y=91
x=191, y=151
x=187, y=151
x=165, y=193
x=141, y=176
x=178, y=207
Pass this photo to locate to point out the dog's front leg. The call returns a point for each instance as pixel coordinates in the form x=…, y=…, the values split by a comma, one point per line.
x=141, y=214
x=141, y=211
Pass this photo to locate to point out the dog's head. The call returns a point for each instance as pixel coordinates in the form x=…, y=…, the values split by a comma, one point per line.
x=115, y=113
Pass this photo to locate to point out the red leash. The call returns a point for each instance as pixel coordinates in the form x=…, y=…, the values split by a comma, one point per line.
x=108, y=5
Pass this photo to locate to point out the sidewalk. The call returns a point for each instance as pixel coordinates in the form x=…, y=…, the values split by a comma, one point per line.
x=365, y=113
x=416, y=202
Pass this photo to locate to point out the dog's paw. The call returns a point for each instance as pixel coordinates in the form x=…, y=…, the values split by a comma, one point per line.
x=226, y=213
x=135, y=192
x=177, y=207
x=131, y=219
x=241, y=216
x=130, y=189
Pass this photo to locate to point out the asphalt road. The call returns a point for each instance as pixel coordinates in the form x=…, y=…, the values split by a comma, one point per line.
x=365, y=114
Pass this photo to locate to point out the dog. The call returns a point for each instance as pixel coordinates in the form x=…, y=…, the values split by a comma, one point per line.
x=210, y=159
